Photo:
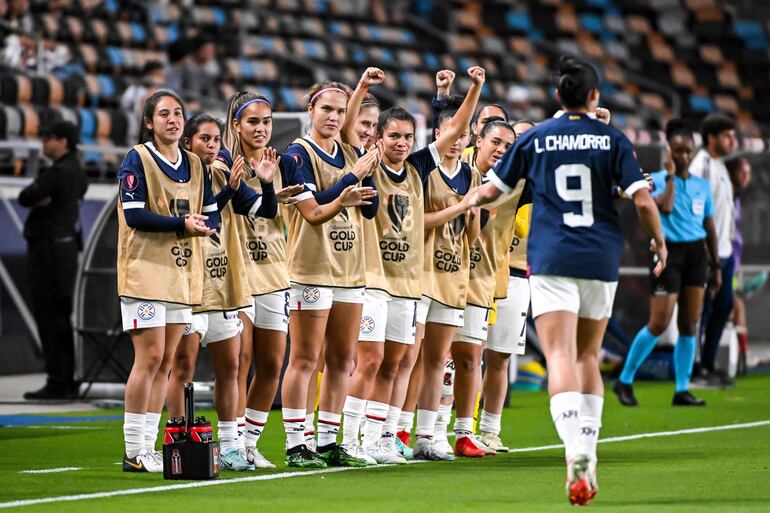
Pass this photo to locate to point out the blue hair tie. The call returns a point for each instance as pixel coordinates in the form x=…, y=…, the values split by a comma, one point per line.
x=255, y=100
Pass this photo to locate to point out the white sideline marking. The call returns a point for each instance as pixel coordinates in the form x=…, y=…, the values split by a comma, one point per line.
x=49, y=470
x=285, y=475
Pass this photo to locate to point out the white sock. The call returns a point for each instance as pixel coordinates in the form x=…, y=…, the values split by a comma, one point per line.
x=294, y=425
x=565, y=412
x=391, y=421
x=151, y=422
x=426, y=423
x=241, y=432
x=133, y=433
x=255, y=421
x=490, y=422
x=405, y=421
x=354, y=413
x=227, y=431
x=328, y=428
x=443, y=418
x=376, y=414
x=590, y=424
x=310, y=426
x=463, y=426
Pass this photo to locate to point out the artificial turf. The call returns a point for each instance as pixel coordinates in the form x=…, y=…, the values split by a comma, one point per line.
x=727, y=470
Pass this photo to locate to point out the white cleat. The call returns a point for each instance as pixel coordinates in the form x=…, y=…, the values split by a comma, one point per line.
x=441, y=444
x=254, y=457
x=143, y=462
x=425, y=449
x=492, y=440
x=356, y=451
x=579, y=488
x=382, y=453
x=479, y=444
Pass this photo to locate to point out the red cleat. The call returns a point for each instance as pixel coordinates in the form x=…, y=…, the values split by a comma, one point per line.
x=579, y=488
x=405, y=437
x=464, y=447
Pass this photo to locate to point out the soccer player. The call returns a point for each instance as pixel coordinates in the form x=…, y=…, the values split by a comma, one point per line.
x=449, y=231
x=507, y=337
x=488, y=254
x=263, y=248
x=394, y=262
x=574, y=252
x=366, y=121
x=686, y=204
x=164, y=194
x=216, y=325
x=326, y=268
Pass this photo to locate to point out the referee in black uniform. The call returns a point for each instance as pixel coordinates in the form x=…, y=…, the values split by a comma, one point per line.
x=53, y=240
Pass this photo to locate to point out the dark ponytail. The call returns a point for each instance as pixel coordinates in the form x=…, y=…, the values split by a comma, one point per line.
x=146, y=134
x=577, y=78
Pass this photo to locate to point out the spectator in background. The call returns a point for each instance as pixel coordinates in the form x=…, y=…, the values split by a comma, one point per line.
x=739, y=170
x=153, y=78
x=54, y=240
x=718, y=131
x=201, y=73
x=178, y=55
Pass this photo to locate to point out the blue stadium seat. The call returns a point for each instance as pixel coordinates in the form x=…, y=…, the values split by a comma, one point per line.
x=107, y=86
x=592, y=23
x=700, y=103
x=519, y=21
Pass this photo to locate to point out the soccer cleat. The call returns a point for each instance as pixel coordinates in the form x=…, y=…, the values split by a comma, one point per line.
x=403, y=449
x=302, y=457
x=424, y=450
x=492, y=440
x=488, y=451
x=441, y=444
x=465, y=447
x=625, y=394
x=234, y=459
x=384, y=452
x=686, y=399
x=405, y=437
x=579, y=488
x=142, y=462
x=338, y=456
x=254, y=457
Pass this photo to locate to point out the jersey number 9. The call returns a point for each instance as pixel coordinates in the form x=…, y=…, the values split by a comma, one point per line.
x=583, y=194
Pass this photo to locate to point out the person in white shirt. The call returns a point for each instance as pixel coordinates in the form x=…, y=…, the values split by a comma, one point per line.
x=718, y=131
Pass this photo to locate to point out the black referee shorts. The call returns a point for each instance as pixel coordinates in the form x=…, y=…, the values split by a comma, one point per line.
x=687, y=266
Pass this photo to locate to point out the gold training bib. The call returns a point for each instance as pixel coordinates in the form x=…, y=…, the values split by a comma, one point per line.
x=331, y=254
x=163, y=266
x=393, y=240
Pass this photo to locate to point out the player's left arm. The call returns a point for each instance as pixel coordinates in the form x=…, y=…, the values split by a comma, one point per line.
x=371, y=77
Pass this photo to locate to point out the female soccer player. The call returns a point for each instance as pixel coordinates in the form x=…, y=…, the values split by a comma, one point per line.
x=216, y=325
x=686, y=203
x=164, y=192
x=394, y=262
x=449, y=231
x=263, y=247
x=366, y=121
x=574, y=252
x=325, y=262
x=487, y=254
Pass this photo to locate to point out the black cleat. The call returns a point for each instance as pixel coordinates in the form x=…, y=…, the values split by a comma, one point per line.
x=625, y=394
x=686, y=399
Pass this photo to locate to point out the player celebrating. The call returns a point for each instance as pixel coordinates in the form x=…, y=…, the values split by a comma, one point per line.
x=687, y=206
x=263, y=249
x=366, y=121
x=325, y=262
x=449, y=231
x=574, y=252
x=225, y=288
x=164, y=192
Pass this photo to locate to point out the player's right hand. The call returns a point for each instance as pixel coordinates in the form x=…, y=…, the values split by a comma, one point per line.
x=366, y=164
x=661, y=253
x=354, y=196
x=477, y=74
x=195, y=225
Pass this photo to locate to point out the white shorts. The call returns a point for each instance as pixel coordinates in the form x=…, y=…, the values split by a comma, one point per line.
x=310, y=297
x=475, y=326
x=589, y=299
x=139, y=313
x=429, y=310
x=215, y=326
x=509, y=333
x=270, y=311
x=388, y=318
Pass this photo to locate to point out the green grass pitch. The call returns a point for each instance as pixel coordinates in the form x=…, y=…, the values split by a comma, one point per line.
x=711, y=471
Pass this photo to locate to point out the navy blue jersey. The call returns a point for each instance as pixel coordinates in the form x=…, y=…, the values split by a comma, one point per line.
x=424, y=162
x=303, y=174
x=459, y=180
x=571, y=163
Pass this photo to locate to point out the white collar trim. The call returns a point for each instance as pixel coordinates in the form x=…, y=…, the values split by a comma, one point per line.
x=163, y=159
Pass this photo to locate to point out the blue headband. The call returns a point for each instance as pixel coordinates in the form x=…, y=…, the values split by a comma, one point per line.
x=255, y=100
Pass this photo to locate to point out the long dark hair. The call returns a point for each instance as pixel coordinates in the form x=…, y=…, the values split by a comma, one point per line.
x=146, y=134
x=576, y=79
x=231, y=139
